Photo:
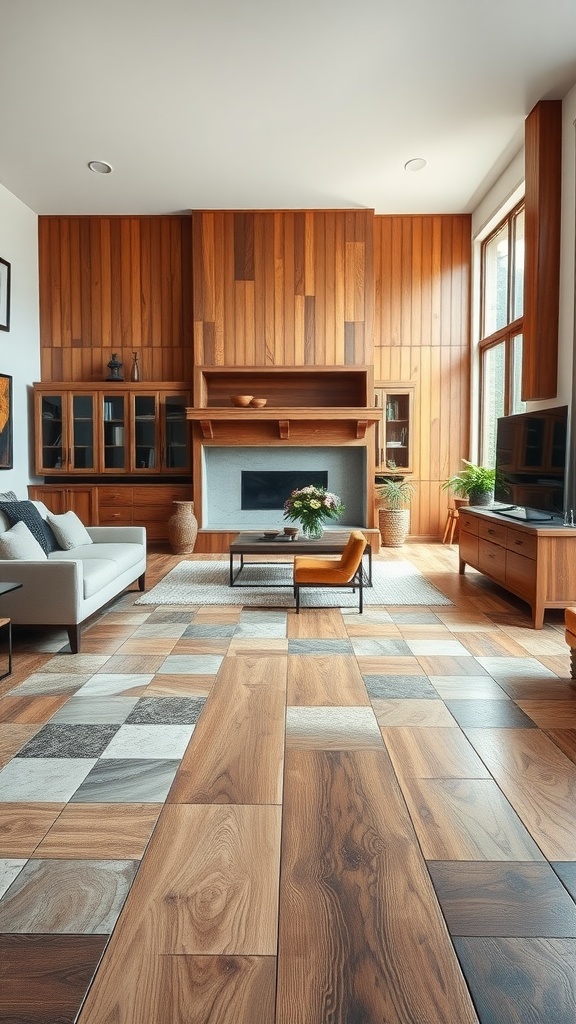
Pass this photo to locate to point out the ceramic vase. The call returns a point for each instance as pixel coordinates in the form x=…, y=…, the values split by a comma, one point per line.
x=183, y=528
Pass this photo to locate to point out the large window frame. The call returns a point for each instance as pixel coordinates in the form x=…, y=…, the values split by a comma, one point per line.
x=509, y=334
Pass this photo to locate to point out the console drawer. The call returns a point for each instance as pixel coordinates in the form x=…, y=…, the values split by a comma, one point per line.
x=114, y=515
x=492, y=559
x=467, y=523
x=523, y=543
x=115, y=496
x=494, y=532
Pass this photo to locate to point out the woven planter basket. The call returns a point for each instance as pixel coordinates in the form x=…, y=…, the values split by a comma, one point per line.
x=394, y=526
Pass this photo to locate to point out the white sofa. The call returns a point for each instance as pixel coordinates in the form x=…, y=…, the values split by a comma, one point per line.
x=68, y=586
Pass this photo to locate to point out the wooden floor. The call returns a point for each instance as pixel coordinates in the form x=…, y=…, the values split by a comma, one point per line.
x=228, y=816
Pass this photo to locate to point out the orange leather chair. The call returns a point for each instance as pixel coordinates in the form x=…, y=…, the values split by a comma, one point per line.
x=330, y=572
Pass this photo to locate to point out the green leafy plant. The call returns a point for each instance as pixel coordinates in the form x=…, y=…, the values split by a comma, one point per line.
x=396, y=493
x=471, y=481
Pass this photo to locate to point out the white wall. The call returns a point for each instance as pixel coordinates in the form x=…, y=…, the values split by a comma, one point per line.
x=20, y=346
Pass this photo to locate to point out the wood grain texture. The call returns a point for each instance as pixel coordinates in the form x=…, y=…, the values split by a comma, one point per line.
x=538, y=780
x=351, y=867
x=115, y=284
x=43, y=978
x=333, y=680
x=238, y=758
x=24, y=825
x=103, y=831
x=433, y=753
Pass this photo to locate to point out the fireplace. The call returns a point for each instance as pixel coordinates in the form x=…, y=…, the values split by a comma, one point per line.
x=268, y=489
x=340, y=469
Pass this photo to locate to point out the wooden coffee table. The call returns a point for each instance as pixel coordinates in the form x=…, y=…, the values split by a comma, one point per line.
x=332, y=542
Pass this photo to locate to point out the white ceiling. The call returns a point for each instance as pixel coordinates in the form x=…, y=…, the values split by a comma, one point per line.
x=256, y=104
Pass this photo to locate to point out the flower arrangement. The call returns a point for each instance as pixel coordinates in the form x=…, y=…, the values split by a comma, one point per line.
x=311, y=506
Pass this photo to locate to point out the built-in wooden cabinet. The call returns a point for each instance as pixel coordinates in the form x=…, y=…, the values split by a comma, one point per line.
x=59, y=498
x=395, y=428
x=120, y=504
x=113, y=430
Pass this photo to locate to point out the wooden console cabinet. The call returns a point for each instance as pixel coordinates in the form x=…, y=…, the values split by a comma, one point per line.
x=535, y=562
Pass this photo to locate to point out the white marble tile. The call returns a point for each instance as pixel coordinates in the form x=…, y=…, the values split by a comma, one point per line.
x=50, y=682
x=94, y=710
x=149, y=741
x=9, y=869
x=102, y=683
x=191, y=664
x=520, y=668
x=43, y=779
x=439, y=648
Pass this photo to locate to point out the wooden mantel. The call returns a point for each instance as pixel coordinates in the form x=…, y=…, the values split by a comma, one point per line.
x=359, y=418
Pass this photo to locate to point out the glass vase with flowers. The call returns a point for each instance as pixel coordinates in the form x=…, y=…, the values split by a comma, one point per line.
x=312, y=506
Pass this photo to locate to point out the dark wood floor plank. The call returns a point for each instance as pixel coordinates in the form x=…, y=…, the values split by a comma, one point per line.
x=361, y=935
x=43, y=978
x=521, y=981
x=503, y=899
x=236, y=752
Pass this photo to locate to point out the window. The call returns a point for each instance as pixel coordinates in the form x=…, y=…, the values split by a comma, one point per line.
x=502, y=306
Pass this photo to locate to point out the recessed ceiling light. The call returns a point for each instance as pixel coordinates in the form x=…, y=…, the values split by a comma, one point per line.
x=100, y=167
x=417, y=164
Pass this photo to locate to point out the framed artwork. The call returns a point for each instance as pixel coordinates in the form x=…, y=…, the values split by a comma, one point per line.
x=4, y=295
x=5, y=421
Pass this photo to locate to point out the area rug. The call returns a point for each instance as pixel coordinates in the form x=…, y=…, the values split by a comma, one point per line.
x=198, y=583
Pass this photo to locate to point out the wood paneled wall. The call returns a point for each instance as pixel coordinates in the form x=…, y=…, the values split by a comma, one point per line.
x=115, y=284
x=422, y=336
x=283, y=288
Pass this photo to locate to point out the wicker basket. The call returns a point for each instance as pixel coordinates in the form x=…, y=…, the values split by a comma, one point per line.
x=394, y=526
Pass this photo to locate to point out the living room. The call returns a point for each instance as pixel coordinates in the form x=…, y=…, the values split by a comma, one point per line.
x=304, y=818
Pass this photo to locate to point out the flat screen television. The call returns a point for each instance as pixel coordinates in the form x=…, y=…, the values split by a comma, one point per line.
x=531, y=449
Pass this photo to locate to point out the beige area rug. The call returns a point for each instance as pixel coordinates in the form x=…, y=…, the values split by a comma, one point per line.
x=191, y=583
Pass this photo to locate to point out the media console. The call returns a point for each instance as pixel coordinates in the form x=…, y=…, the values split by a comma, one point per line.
x=536, y=561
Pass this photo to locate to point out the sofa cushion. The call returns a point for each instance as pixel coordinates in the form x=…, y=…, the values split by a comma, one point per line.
x=98, y=573
x=26, y=512
x=19, y=543
x=123, y=555
x=70, y=530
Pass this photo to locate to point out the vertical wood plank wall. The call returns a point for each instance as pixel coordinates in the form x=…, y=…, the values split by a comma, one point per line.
x=115, y=284
x=283, y=288
x=421, y=336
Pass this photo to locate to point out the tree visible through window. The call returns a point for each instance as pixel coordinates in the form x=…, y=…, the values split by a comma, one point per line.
x=502, y=305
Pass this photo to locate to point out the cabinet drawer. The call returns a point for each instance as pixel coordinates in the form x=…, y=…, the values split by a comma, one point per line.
x=114, y=496
x=522, y=543
x=468, y=523
x=161, y=494
x=145, y=514
x=492, y=559
x=118, y=514
x=494, y=532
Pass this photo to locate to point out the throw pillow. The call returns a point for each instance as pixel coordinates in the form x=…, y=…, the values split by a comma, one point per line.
x=19, y=543
x=9, y=496
x=70, y=530
x=25, y=512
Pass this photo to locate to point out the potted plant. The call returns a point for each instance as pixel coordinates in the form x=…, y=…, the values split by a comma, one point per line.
x=473, y=482
x=395, y=495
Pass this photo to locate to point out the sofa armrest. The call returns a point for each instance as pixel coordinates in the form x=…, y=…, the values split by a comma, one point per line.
x=118, y=534
x=46, y=585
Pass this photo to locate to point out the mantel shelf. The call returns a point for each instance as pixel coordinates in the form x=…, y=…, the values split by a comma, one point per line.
x=362, y=417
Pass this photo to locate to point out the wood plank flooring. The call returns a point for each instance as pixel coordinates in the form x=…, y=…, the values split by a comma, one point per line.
x=316, y=819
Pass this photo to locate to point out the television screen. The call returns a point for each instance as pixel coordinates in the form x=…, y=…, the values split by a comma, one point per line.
x=531, y=463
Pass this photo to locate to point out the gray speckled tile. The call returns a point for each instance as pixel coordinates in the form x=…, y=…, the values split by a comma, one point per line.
x=9, y=869
x=208, y=630
x=320, y=647
x=385, y=646
x=191, y=664
x=132, y=781
x=69, y=741
x=50, y=682
x=162, y=630
x=166, y=711
x=402, y=687
x=102, y=684
x=147, y=741
x=332, y=728
x=67, y=896
x=184, y=615
x=84, y=664
x=43, y=779
x=94, y=710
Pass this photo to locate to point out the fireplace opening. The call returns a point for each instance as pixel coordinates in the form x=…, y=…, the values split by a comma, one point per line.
x=267, y=490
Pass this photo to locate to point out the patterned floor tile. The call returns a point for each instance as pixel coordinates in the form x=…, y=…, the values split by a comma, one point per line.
x=467, y=688
x=24, y=825
x=50, y=682
x=250, y=626
x=180, y=685
x=83, y=664
x=200, y=664
x=10, y=868
x=166, y=711
x=448, y=666
x=415, y=618
x=387, y=687
x=209, y=630
x=105, y=831
x=30, y=710
x=166, y=630
x=94, y=710
x=127, y=781
x=184, y=615
x=52, y=896
x=149, y=741
x=524, y=669
x=320, y=647
x=413, y=713
x=503, y=714
x=377, y=647
x=446, y=647
x=257, y=646
x=43, y=779
x=334, y=728
x=103, y=684
x=13, y=738
x=70, y=741
x=375, y=616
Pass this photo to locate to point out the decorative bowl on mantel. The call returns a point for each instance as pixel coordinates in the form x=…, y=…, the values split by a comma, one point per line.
x=241, y=400
x=258, y=403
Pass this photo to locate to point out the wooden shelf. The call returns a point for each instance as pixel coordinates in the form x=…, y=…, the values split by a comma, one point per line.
x=361, y=417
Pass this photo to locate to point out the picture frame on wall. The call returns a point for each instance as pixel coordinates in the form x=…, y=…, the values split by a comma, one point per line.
x=4, y=295
x=6, y=458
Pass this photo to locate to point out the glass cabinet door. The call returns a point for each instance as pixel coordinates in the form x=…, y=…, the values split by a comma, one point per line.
x=146, y=433
x=82, y=453
x=394, y=430
x=176, y=432
x=53, y=433
x=114, y=447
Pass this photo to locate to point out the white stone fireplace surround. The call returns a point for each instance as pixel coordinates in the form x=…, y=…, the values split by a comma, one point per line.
x=221, y=474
